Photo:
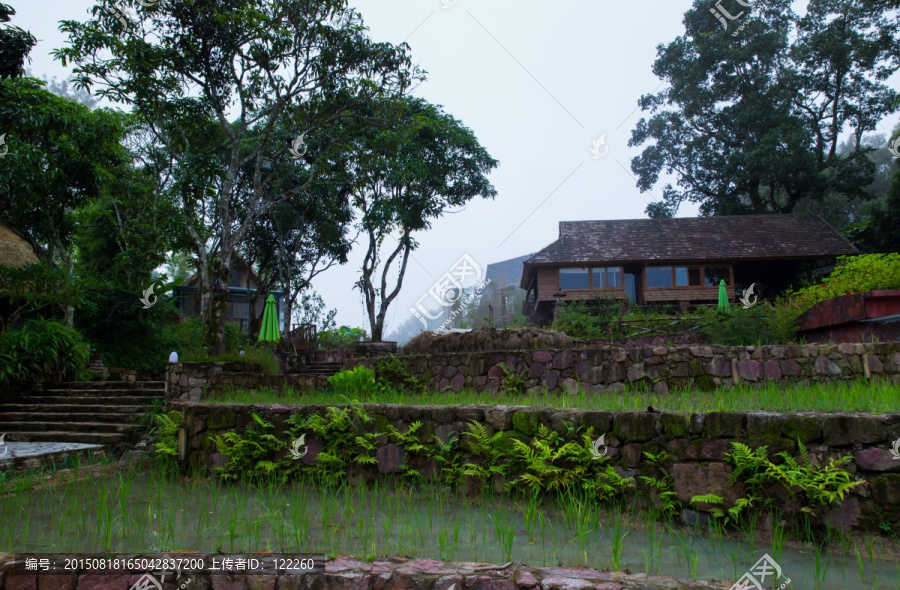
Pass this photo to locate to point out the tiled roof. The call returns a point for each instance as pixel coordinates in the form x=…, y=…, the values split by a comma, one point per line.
x=507, y=272
x=695, y=238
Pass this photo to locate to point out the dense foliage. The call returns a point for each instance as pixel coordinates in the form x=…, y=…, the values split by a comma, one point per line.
x=853, y=274
x=43, y=349
x=751, y=116
x=341, y=338
x=763, y=324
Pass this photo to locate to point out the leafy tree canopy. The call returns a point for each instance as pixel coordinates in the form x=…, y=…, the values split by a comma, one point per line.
x=751, y=120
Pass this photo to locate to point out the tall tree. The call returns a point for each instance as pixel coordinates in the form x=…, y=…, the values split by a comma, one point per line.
x=207, y=73
x=60, y=157
x=407, y=176
x=752, y=119
x=15, y=45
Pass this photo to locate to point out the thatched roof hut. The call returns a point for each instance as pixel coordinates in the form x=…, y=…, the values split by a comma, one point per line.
x=489, y=340
x=15, y=251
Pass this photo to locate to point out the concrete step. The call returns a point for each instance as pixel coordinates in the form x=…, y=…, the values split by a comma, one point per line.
x=23, y=456
x=120, y=409
x=68, y=426
x=117, y=417
x=97, y=438
x=132, y=385
x=88, y=400
x=149, y=393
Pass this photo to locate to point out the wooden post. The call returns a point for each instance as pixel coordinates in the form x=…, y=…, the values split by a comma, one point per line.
x=866, y=371
x=182, y=444
x=734, y=372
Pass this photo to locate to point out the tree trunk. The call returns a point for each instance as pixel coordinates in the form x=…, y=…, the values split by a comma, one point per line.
x=215, y=328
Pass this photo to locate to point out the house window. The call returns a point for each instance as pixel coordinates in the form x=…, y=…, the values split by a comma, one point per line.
x=606, y=278
x=659, y=276
x=687, y=276
x=574, y=278
x=235, y=280
x=714, y=274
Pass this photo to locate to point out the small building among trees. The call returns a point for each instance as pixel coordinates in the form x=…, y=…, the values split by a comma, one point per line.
x=243, y=295
x=678, y=260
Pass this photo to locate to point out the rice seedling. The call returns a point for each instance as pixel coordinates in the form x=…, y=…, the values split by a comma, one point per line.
x=618, y=536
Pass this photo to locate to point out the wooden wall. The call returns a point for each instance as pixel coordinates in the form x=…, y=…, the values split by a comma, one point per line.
x=686, y=294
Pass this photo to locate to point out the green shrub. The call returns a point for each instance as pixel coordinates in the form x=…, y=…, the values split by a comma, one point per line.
x=355, y=381
x=759, y=325
x=340, y=339
x=42, y=349
x=853, y=274
x=579, y=319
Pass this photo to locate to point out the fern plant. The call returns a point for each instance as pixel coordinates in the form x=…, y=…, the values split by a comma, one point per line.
x=166, y=448
x=249, y=456
x=492, y=449
x=346, y=436
x=513, y=382
x=551, y=463
x=667, y=502
x=820, y=486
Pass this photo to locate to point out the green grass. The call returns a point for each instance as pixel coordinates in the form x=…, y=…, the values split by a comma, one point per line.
x=856, y=396
x=253, y=355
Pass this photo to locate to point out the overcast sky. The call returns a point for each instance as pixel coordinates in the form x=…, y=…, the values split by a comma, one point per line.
x=536, y=82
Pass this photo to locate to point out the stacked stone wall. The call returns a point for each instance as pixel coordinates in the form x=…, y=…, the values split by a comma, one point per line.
x=695, y=443
x=660, y=368
x=598, y=370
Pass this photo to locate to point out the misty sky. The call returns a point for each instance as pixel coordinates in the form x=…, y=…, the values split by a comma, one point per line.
x=536, y=82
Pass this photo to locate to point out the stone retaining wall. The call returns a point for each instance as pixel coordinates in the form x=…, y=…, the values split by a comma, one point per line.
x=596, y=370
x=660, y=368
x=197, y=381
x=340, y=574
x=696, y=444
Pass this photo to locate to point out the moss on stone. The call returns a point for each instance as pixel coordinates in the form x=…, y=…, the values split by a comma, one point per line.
x=704, y=383
x=525, y=422
x=220, y=418
x=675, y=425
x=805, y=428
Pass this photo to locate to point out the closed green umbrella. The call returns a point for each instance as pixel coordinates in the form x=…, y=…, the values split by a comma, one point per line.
x=269, y=330
x=723, y=297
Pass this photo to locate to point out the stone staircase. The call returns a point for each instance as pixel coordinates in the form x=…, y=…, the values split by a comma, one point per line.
x=100, y=412
x=323, y=369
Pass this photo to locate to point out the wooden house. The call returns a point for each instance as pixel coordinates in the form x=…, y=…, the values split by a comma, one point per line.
x=242, y=289
x=681, y=261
